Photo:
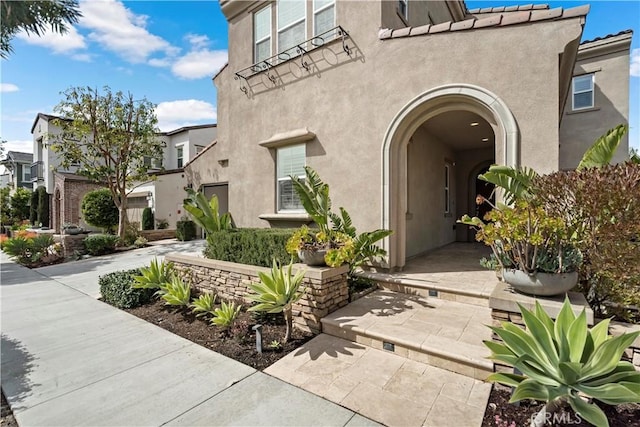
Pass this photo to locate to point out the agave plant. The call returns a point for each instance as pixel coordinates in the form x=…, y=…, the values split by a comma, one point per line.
x=155, y=276
x=277, y=292
x=176, y=292
x=204, y=304
x=563, y=361
x=226, y=314
x=206, y=213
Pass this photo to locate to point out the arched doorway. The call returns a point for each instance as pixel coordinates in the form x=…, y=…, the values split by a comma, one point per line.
x=419, y=122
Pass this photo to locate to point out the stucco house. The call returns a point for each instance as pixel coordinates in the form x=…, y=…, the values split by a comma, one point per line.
x=399, y=105
x=18, y=169
x=67, y=189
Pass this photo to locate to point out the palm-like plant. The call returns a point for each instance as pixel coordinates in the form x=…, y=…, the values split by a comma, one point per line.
x=204, y=304
x=226, y=314
x=564, y=360
x=176, y=292
x=277, y=292
x=514, y=182
x=602, y=151
x=314, y=196
x=155, y=276
x=206, y=213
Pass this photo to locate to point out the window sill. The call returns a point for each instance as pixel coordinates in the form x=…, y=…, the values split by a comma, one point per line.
x=288, y=138
x=289, y=217
x=584, y=110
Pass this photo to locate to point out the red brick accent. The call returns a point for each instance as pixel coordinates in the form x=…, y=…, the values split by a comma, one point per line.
x=67, y=199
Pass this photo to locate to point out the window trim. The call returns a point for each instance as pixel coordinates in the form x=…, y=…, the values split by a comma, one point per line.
x=268, y=37
x=180, y=156
x=574, y=92
x=280, y=210
x=447, y=188
x=24, y=170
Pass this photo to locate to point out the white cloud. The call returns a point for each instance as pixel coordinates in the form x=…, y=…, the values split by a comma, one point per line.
x=8, y=87
x=119, y=30
x=185, y=112
x=635, y=63
x=200, y=63
x=198, y=41
x=22, y=145
x=59, y=43
x=159, y=62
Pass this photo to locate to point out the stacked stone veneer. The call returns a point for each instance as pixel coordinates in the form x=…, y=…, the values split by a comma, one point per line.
x=71, y=243
x=504, y=308
x=326, y=289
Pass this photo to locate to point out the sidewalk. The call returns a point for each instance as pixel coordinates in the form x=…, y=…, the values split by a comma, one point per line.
x=68, y=359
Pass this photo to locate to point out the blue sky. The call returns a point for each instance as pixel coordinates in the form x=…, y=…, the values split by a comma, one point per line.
x=167, y=51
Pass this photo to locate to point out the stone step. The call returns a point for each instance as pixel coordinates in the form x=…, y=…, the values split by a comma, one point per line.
x=431, y=286
x=444, y=334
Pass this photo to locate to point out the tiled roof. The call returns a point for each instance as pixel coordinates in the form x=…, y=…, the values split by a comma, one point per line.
x=608, y=36
x=500, y=20
x=501, y=9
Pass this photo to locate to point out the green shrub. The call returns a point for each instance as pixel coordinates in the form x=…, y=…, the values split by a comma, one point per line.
x=116, y=289
x=140, y=242
x=32, y=249
x=20, y=204
x=147, y=219
x=253, y=246
x=226, y=314
x=43, y=207
x=100, y=244
x=185, y=230
x=33, y=208
x=131, y=232
x=602, y=209
x=99, y=209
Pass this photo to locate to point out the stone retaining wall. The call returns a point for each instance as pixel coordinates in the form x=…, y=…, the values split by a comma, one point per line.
x=71, y=243
x=326, y=289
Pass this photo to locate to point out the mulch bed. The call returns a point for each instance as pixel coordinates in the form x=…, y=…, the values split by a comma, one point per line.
x=6, y=415
x=239, y=343
x=501, y=413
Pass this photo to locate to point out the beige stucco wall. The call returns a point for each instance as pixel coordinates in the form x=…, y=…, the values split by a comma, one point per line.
x=167, y=192
x=350, y=102
x=609, y=61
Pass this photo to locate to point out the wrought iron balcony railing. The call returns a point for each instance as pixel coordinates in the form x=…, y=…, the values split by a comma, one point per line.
x=37, y=171
x=297, y=51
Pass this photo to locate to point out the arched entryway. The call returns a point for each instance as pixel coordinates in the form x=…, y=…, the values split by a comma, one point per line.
x=429, y=149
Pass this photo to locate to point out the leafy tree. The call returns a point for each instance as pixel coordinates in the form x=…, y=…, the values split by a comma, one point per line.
x=43, y=207
x=34, y=17
x=107, y=135
x=99, y=210
x=20, y=204
x=5, y=206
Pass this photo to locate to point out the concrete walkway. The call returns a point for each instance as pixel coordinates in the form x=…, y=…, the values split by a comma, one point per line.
x=68, y=359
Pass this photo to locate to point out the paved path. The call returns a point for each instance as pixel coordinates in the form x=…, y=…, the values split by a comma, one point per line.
x=69, y=359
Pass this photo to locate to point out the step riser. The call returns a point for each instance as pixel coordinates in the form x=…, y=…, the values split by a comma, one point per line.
x=422, y=355
x=434, y=292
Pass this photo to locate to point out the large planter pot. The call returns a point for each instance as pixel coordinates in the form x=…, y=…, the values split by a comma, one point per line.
x=72, y=230
x=312, y=257
x=540, y=284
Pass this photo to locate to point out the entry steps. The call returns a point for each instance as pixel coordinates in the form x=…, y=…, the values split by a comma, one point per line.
x=442, y=333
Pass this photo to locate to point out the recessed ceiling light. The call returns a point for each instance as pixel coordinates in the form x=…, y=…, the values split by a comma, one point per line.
x=485, y=139
x=474, y=123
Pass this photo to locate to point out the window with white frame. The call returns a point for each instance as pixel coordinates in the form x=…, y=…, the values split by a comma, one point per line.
x=583, y=91
x=292, y=23
x=447, y=188
x=180, y=156
x=403, y=8
x=262, y=34
x=324, y=16
x=290, y=160
x=26, y=173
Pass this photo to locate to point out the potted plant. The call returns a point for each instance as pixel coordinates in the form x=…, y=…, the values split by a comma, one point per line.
x=534, y=250
x=317, y=247
x=71, y=229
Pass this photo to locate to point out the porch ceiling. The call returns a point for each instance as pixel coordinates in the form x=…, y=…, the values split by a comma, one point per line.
x=455, y=129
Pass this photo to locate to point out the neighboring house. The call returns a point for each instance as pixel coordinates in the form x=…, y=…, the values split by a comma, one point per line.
x=164, y=195
x=18, y=169
x=399, y=105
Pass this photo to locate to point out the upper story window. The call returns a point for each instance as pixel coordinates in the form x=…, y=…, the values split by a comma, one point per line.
x=26, y=173
x=403, y=8
x=262, y=34
x=583, y=90
x=291, y=160
x=180, y=156
x=292, y=27
x=295, y=22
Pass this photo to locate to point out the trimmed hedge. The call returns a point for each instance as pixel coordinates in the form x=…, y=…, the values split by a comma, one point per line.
x=100, y=244
x=33, y=208
x=43, y=207
x=253, y=246
x=116, y=289
x=185, y=230
x=147, y=219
